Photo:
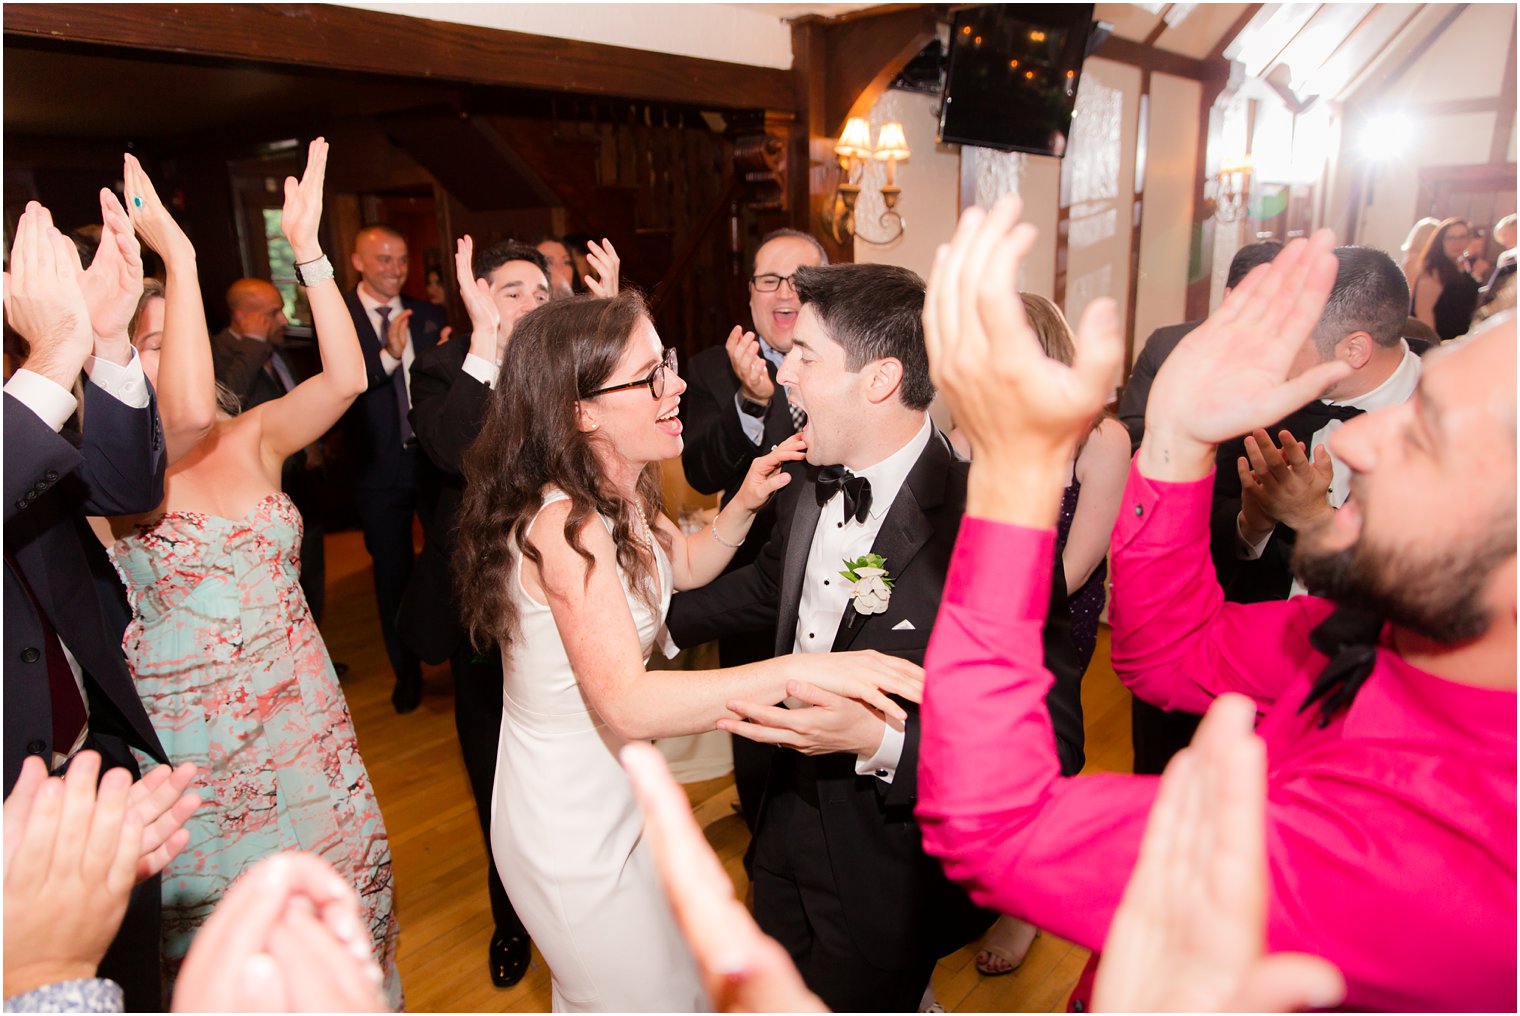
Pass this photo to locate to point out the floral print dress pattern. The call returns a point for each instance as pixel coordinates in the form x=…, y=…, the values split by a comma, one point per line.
x=236, y=678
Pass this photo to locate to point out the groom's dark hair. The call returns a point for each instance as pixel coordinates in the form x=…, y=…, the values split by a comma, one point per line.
x=873, y=311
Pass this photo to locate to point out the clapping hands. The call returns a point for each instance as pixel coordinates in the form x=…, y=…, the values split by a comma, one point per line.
x=113, y=284
x=755, y=381
x=44, y=301
x=485, y=317
x=150, y=218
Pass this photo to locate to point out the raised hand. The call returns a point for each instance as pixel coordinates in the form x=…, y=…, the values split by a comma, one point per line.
x=605, y=262
x=163, y=805
x=1022, y=412
x=43, y=299
x=287, y=937
x=1190, y=931
x=303, y=205
x=742, y=968
x=749, y=366
x=113, y=283
x=1002, y=389
x=766, y=475
x=828, y=723
x=485, y=316
x=68, y=873
x=1231, y=373
x=1282, y=485
x=149, y=217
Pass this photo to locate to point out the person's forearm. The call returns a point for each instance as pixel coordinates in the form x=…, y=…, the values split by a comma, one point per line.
x=992, y=804
x=707, y=555
x=674, y=703
x=337, y=342
x=186, y=372
x=1165, y=454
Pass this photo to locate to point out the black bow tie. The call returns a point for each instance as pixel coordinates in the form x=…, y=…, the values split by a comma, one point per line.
x=1350, y=638
x=857, y=491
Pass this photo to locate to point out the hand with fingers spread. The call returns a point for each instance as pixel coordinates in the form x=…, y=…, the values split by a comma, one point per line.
x=302, y=215
x=113, y=283
x=1282, y=485
x=755, y=382
x=742, y=968
x=287, y=937
x=43, y=299
x=828, y=723
x=486, y=340
x=70, y=847
x=149, y=218
x=767, y=474
x=163, y=804
x=1231, y=374
x=1023, y=412
x=1190, y=931
x=605, y=262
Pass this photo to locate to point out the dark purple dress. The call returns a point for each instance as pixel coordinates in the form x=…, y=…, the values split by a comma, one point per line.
x=1087, y=602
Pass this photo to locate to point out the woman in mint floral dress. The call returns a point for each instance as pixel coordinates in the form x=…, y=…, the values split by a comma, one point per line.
x=227, y=658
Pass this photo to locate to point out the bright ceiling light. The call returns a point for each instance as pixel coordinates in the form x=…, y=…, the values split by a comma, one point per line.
x=1386, y=136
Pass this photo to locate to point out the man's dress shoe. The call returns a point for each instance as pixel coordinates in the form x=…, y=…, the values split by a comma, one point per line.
x=509, y=958
x=407, y=695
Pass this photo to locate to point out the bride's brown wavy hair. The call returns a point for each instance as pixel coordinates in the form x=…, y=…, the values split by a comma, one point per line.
x=530, y=441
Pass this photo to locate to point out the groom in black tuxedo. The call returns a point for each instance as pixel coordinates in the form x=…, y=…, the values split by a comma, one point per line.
x=840, y=876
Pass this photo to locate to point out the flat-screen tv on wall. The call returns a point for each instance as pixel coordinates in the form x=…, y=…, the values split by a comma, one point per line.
x=1013, y=77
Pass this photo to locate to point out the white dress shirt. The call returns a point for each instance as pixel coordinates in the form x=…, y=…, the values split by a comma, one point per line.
x=54, y=405
x=1395, y=391
x=826, y=593
x=481, y=369
x=408, y=351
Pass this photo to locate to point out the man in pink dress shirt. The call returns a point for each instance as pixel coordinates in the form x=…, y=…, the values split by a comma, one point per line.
x=1391, y=794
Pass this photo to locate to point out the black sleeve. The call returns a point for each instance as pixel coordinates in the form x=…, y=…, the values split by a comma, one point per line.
x=447, y=408
x=744, y=600
x=237, y=363
x=717, y=452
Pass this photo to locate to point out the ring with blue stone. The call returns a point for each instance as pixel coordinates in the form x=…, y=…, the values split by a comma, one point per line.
x=136, y=201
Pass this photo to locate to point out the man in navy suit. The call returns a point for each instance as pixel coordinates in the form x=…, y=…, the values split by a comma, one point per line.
x=393, y=329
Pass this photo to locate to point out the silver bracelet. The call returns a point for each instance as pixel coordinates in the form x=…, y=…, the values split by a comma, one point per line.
x=318, y=269
x=730, y=546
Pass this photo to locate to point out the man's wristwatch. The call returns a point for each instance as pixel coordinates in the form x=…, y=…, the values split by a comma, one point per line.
x=749, y=407
x=310, y=273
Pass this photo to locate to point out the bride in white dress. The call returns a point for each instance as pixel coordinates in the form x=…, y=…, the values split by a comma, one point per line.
x=565, y=558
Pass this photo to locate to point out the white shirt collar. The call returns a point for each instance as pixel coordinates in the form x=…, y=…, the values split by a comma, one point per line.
x=370, y=304
x=888, y=475
x=1396, y=390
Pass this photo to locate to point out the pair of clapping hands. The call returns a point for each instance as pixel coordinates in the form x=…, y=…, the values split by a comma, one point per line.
x=287, y=936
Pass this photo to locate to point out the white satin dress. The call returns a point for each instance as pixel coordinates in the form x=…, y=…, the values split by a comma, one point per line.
x=567, y=833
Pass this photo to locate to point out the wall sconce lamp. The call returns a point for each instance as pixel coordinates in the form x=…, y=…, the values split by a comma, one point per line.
x=854, y=148
x=1232, y=189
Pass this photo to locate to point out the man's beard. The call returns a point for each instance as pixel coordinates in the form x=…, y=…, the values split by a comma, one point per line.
x=1438, y=596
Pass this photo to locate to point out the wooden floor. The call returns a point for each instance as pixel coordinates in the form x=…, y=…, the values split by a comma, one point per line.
x=439, y=854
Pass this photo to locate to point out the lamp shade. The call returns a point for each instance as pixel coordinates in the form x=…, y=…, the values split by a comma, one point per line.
x=855, y=139
x=892, y=144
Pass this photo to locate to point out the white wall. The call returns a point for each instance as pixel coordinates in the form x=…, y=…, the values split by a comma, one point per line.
x=1166, y=231
x=711, y=31
x=930, y=179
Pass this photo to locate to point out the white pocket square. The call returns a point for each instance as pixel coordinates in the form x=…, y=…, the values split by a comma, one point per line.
x=904, y=625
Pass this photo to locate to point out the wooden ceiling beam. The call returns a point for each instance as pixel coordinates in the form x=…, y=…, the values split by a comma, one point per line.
x=865, y=54
x=348, y=39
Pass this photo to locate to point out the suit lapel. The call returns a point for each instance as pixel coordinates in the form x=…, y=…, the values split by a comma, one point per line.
x=799, y=540
x=906, y=528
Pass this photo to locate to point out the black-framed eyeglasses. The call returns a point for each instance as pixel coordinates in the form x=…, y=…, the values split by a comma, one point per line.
x=655, y=382
x=769, y=283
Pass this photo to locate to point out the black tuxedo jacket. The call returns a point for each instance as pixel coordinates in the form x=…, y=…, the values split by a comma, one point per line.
x=50, y=486
x=448, y=407
x=239, y=364
x=899, y=904
x=373, y=423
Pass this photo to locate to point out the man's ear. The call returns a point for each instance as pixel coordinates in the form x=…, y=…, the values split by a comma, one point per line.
x=356, y=263
x=883, y=379
x=1355, y=349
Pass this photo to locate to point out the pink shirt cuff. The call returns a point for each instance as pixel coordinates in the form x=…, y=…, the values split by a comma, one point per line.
x=1155, y=513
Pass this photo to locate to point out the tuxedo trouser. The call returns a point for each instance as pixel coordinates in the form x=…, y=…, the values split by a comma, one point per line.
x=385, y=514
x=477, y=719
x=134, y=959
x=1158, y=734
x=797, y=903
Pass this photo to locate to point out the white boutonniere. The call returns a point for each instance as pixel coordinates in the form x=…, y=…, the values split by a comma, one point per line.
x=872, y=589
